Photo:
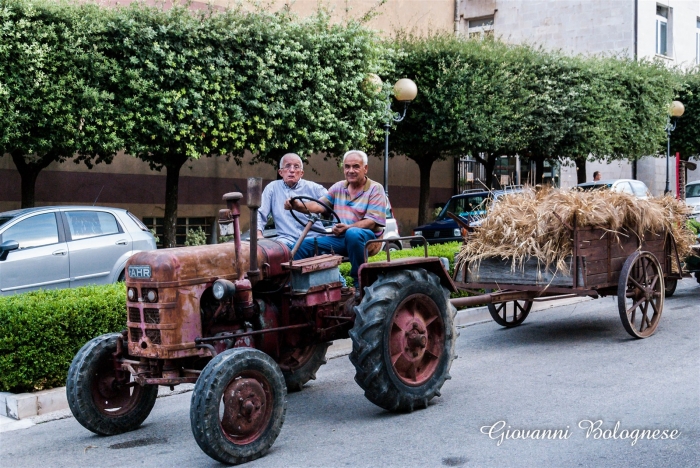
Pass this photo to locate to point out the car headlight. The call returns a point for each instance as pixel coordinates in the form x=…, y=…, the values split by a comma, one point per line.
x=417, y=233
x=457, y=232
x=223, y=289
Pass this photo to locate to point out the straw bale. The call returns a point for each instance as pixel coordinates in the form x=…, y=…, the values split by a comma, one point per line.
x=533, y=223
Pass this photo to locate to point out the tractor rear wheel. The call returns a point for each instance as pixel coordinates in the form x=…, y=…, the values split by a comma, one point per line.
x=98, y=398
x=238, y=406
x=403, y=339
x=299, y=365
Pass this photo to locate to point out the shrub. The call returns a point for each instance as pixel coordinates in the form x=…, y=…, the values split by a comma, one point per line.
x=41, y=331
x=196, y=237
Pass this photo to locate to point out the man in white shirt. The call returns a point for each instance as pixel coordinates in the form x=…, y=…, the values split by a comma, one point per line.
x=277, y=192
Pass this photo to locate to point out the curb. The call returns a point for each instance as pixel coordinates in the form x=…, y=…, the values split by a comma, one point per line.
x=24, y=409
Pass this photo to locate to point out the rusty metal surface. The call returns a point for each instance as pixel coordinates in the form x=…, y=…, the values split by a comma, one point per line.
x=317, y=295
x=248, y=407
x=416, y=339
x=494, y=298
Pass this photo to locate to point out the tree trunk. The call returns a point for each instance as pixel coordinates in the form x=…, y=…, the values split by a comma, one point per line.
x=539, y=171
x=172, y=180
x=489, y=168
x=28, y=173
x=580, y=169
x=424, y=199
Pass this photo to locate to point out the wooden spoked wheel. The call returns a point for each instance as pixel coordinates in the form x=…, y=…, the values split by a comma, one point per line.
x=640, y=294
x=509, y=314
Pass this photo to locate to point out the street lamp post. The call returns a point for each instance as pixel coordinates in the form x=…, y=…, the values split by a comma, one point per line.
x=676, y=110
x=405, y=91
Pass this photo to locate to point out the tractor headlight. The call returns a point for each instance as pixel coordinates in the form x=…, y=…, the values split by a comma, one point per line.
x=131, y=294
x=223, y=289
x=150, y=295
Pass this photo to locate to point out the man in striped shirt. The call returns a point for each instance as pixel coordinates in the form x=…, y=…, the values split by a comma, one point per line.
x=359, y=202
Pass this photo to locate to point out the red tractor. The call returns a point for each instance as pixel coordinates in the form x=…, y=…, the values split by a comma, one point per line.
x=246, y=324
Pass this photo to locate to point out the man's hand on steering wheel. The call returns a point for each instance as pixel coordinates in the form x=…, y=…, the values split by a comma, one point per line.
x=292, y=205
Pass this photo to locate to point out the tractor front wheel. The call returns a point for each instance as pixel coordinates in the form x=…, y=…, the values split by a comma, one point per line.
x=238, y=406
x=403, y=339
x=101, y=398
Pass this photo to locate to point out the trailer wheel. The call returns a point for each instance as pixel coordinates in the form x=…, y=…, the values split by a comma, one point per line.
x=670, y=286
x=238, y=406
x=95, y=396
x=640, y=294
x=403, y=339
x=509, y=314
x=300, y=365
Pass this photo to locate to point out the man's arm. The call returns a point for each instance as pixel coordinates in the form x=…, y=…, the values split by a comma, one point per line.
x=364, y=223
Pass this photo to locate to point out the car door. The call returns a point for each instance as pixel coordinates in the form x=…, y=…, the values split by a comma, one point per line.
x=42, y=258
x=96, y=241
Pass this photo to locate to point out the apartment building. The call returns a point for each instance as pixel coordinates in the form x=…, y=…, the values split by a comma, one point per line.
x=667, y=30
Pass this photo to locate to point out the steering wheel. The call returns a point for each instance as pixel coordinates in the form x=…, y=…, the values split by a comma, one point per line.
x=314, y=228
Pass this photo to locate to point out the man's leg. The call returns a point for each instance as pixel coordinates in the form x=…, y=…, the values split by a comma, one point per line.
x=325, y=245
x=355, y=240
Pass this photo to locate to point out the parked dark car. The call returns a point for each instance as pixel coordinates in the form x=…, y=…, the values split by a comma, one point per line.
x=67, y=246
x=470, y=205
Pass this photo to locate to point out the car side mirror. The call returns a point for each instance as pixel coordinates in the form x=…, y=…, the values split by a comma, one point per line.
x=6, y=247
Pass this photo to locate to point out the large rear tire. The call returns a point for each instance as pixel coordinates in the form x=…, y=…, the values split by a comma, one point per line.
x=238, y=406
x=301, y=364
x=403, y=339
x=98, y=399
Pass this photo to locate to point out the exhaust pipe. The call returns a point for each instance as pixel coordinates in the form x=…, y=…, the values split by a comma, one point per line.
x=254, y=202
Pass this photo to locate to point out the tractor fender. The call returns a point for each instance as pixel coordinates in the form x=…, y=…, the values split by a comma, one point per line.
x=369, y=272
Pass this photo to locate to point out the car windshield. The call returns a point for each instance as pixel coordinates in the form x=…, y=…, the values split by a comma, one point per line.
x=690, y=191
x=465, y=207
x=4, y=219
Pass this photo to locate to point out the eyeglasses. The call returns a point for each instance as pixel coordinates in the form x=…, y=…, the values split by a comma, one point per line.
x=288, y=167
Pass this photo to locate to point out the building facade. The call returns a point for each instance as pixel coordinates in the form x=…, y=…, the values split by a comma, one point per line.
x=665, y=29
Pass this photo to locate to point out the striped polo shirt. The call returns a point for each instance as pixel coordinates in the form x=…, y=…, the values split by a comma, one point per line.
x=370, y=203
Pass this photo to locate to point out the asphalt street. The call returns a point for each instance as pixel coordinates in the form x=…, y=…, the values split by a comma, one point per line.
x=564, y=369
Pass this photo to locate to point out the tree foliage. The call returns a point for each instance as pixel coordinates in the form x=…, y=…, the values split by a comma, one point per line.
x=489, y=99
x=50, y=104
x=685, y=139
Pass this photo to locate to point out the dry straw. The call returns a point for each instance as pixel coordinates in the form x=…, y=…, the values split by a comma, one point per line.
x=534, y=223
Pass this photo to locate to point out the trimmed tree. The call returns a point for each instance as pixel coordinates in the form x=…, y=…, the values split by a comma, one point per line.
x=50, y=104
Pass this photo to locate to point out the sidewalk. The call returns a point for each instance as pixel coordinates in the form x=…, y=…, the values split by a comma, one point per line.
x=28, y=409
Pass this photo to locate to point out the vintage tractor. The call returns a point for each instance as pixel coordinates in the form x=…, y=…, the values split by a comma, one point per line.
x=246, y=324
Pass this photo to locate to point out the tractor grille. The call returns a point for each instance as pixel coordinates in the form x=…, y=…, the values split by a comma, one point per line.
x=151, y=315
x=135, y=334
x=134, y=315
x=154, y=336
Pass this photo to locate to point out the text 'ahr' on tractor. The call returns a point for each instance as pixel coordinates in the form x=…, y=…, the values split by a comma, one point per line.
x=246, y=324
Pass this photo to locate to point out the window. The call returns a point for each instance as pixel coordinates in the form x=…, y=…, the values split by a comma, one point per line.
x=34, y=232
x=84, y=224
x=183, y=225
x=480, y=28
x=697, y=41
x=661, y=30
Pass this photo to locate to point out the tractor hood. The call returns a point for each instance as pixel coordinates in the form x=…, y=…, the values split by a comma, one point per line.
x=192, y=265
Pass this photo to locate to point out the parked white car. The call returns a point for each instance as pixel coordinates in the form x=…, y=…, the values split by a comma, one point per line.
x=67, y=246
x=692, y=198
x=631, y=186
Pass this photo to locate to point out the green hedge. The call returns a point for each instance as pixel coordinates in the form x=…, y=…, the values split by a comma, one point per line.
x=41, y=331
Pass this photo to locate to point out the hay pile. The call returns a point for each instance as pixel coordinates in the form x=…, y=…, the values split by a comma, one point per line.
x=534, y=223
